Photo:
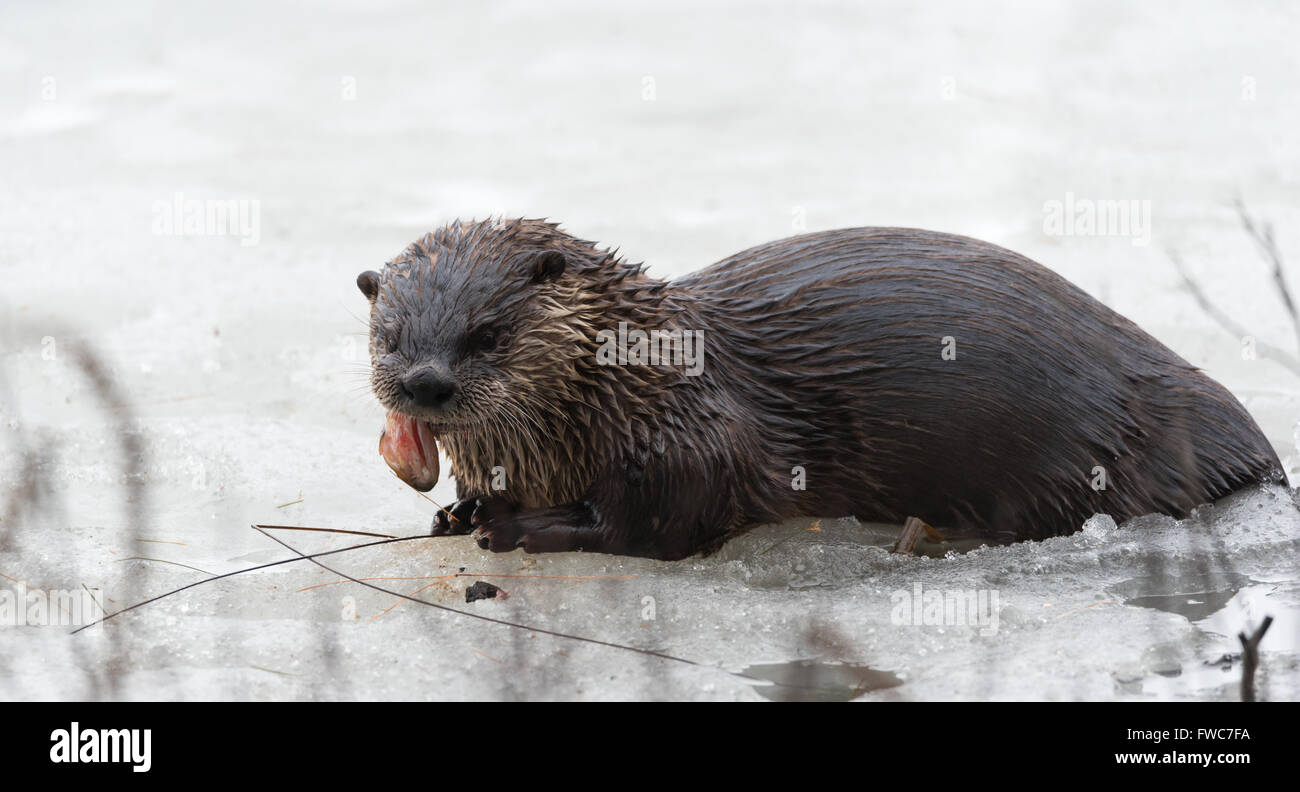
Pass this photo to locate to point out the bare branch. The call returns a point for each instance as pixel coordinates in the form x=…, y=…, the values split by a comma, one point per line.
x=1250, y=658
x=1265, y=350
x=1263, y=236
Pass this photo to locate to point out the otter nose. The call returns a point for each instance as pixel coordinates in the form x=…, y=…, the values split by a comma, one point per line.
x=428, y=388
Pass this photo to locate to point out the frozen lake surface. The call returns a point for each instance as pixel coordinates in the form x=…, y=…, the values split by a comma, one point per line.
x=680, y=134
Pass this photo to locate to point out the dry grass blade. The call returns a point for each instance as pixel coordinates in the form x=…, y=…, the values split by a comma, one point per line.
x=325, y=530
x=163, y=561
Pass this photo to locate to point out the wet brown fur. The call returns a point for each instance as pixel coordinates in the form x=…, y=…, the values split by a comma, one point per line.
x=823, y=352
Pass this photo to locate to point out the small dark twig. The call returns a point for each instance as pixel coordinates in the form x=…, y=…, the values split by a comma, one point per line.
x=1250, y=658
x=913, y=530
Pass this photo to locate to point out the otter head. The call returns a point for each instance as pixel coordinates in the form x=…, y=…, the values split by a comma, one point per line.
x=478, y=327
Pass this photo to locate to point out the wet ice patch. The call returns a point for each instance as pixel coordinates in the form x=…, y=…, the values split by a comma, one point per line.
x=809, y=680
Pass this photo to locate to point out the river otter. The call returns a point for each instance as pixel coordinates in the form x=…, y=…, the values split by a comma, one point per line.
x=876, y=372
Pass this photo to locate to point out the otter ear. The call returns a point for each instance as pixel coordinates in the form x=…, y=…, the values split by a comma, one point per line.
x=547, y=266
x=368, y=283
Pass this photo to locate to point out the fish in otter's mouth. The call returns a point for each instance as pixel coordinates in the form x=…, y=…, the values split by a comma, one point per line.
x=410, y=448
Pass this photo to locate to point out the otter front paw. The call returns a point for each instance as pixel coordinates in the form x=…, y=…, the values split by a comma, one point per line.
x=494, y=525
x=558, y=539
x=456, y=520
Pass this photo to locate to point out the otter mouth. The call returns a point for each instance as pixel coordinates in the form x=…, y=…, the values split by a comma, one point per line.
x=410, y=447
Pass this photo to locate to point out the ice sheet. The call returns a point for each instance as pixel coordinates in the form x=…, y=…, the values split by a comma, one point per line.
x=680, y=138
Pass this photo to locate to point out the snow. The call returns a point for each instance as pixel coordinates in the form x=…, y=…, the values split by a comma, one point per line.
x=243, y=365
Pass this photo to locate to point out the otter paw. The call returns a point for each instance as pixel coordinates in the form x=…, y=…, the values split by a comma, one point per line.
x=456, y=520
x=554, y=539
x=494, y=525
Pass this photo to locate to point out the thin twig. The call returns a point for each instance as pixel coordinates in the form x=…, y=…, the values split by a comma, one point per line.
x=300, y=557
x=1264, y=349
x=479, y=616
x=327, y=530
x=93, y=599
x=502, y=622
x=1263, y=236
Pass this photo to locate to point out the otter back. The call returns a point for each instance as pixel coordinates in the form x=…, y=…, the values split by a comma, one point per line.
x=930, y=375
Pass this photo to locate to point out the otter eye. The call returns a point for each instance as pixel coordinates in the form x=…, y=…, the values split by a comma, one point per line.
x=483, y=340
x=391, y=343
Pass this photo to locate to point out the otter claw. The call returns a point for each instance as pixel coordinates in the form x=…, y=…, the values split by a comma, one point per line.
x=454, y=521
x=494, y=526
x=498, y=540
